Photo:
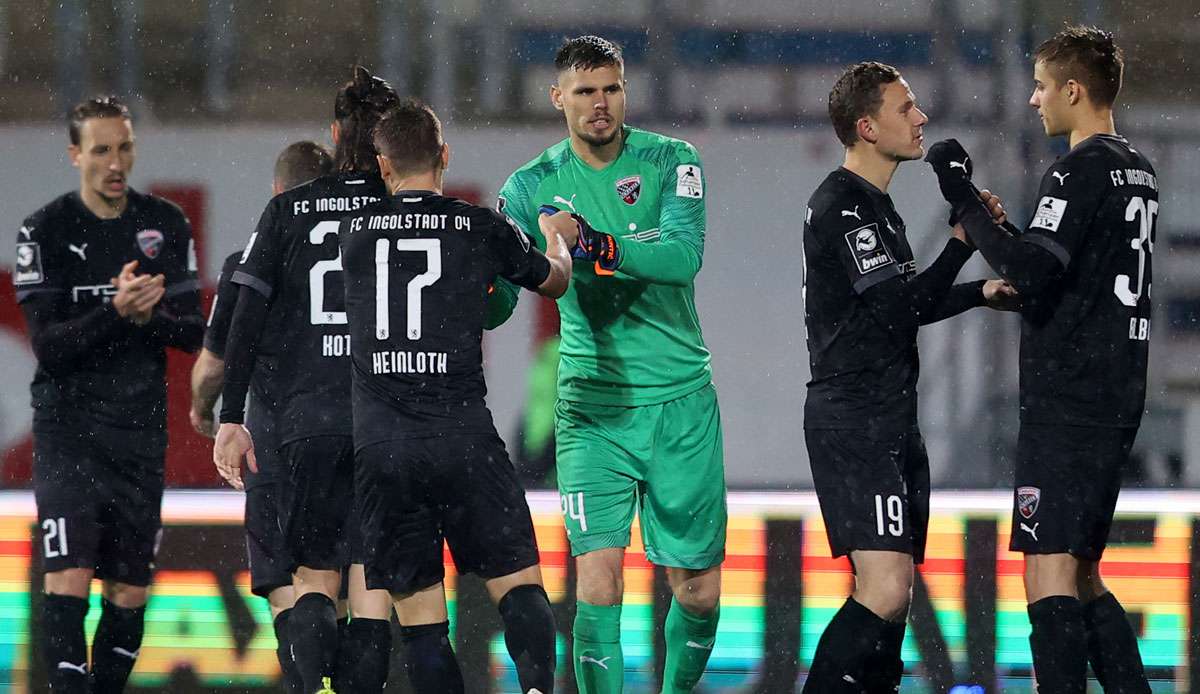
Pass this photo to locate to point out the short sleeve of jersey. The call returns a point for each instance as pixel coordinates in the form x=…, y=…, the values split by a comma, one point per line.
x=515, y=201
x=682, y=207
x=516, y=259
x=850, y=231
x=1068, y=200
x=221, y=314
x=37, y=268
x=259, y=265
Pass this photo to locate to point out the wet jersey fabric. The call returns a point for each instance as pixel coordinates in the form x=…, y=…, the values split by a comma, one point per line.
x=294, y=260
x=631, y=338
x=418, y=271
x=1085, y=340
x=260, y=410
x=66, y=259
x=862, y=371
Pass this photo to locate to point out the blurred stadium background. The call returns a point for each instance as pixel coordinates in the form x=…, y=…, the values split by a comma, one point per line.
x=218, y=87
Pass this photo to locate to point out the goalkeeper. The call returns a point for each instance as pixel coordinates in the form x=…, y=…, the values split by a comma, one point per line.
x=637, y=424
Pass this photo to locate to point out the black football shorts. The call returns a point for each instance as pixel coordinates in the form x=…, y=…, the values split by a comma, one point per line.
x=317, y=501
x=873, y=490
x=416, y=492
x=99, y=502
x=1065, y=488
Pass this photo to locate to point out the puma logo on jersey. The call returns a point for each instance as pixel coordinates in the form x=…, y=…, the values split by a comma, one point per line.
x=693, y=644
x=80, y=668
x=1032, y=531
x=852, y=213
x=1062, y=177
x=27, y=232
x=569, y=203
x=78, y=250
x=602, y=663
x=128, y=654
x=960, y=164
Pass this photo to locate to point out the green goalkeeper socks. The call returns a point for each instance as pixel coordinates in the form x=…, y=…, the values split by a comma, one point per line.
x=690, y=638
x=599, y=665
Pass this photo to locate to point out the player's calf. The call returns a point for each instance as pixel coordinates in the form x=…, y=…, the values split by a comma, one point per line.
x=529, y=634
x=64, y=646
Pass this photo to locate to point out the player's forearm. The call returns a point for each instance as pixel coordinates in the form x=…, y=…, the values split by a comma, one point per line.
x=902, y=306
x=1028, y=267
x=185, y=332
x=559, y=261
x=59, y=345
x=208, y=375
x=500, y=304
x=960, y=298
x=669, y=262
x=241, y=347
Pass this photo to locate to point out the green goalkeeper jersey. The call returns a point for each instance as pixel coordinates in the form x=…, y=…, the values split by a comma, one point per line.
x=631, y=338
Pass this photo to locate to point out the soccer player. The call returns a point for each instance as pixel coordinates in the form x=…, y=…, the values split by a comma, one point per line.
x=1083, y=268
x=637, y=423
x=419, y=267
x=291, y=304
x=270, y=574
x=106, y=278
x=864, y=302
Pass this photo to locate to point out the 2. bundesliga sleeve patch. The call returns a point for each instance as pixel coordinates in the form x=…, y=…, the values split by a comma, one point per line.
x=688, y=181
x=1049, y=213
x=28, y=268
x=869, y=252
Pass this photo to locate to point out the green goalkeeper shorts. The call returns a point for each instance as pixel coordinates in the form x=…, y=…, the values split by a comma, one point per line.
x=665, y=461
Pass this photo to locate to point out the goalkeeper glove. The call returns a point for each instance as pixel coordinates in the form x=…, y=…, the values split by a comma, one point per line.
x=596, y=246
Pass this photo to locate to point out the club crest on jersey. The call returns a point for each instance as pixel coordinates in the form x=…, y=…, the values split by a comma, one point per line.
x=151, y=242
x=1027, y=501
x=630, y=189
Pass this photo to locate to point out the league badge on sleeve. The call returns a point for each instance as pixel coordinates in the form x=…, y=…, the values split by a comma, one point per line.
x=869, y=252
x=1049, y=213
x=28, y=268
x=688, y=181
x=630, y=189
x=151, y=242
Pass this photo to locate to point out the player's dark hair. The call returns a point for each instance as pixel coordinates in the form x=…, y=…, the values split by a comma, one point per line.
x=301, y=161
x=1087, y=55
x=588, y=53
x=357, y=108
x=410, y=136
x=96, y=107
x=857, y=93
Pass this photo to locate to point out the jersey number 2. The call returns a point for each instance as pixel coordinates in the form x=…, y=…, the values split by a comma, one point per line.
x=316, y=277
x=1143, y=212
x=432, y=248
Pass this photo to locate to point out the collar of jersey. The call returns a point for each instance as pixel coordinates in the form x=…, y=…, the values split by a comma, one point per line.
x=625, y=130
x=863, y=183
x=77, y=201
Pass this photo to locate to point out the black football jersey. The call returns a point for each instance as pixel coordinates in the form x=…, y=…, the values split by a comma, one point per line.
x=418, y=271
x=1085, y=341
x=293, y=259
x=68, y=255
x=260, y=410
x=862, y=372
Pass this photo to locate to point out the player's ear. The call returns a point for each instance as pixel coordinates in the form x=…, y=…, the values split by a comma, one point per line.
x=1074, y=92
x=276, y=187
x=866, y=130
x=445, y=155
x=385, y=167
x=335, y=133
x=73, y=153
x=556, y=95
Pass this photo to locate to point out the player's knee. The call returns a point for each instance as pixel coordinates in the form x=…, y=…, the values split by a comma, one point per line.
x=72, y=582
x=601, y=580
x=125, y=595
x=698, y=596
x=886, y=595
